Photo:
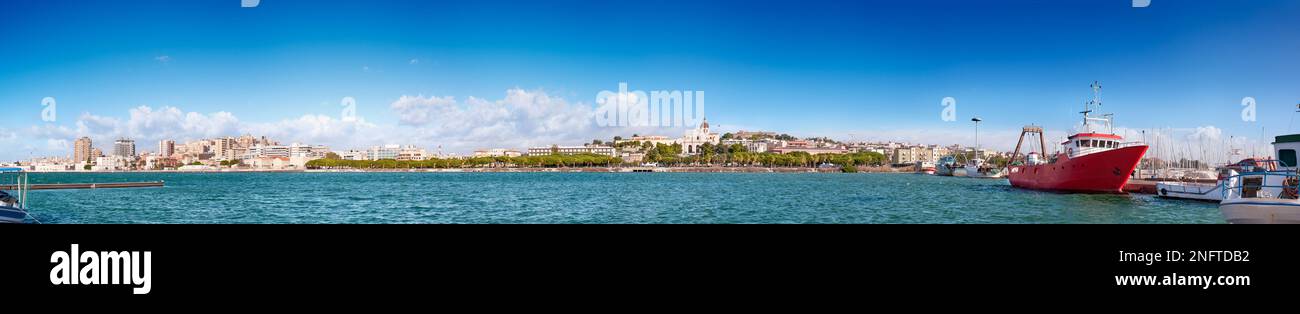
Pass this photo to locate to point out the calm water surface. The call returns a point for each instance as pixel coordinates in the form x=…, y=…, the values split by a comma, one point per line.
x=587, y=198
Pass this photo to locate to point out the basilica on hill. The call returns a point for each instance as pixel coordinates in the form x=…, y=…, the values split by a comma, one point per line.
x=692, y=140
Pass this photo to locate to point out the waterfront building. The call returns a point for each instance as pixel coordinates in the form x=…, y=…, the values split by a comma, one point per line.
x=497, y=152
x=571, y=150
x=694, y=138
x=905, y=155
x=308, y=151
x=411, y=152
x=124, y=147
x=266, y=151
x=81, y=150
x=384, y=152
x=95, y=153
x=166, y=148
x=224, y=148
x=271, y=163
x=111, y=163
x=354, y=155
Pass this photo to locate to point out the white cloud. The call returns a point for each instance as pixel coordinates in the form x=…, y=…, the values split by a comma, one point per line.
x=57, y=145
x=523, y=118
x=163, y=59
x=415, y=61
x=7, y=135
x=1205, y=133
x=520, y=119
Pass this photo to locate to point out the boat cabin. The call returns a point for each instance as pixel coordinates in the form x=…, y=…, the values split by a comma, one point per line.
x=1286, y=146
x=1089, y=143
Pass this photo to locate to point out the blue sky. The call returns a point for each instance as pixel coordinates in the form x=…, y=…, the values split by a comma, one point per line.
x=866, y=70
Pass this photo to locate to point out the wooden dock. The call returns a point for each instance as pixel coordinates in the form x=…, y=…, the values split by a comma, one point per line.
x=83, y=186
x=1140, y=186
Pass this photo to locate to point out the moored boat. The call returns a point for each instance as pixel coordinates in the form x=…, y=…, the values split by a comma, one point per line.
x=1206, y=191
x=946, y=166
x=925, y=167
x=1268, y=195
x=976, y=167
x=13, y=203
x=1092, y=160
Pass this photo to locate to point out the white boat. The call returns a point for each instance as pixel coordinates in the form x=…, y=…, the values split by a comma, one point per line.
x=1191, y=190
x=925, y=167
x=1205, y=191
x=976, y=168
x=13, y=201
x=1269, y=195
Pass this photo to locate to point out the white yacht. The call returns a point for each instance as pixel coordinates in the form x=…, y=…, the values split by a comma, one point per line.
x=1265, y=195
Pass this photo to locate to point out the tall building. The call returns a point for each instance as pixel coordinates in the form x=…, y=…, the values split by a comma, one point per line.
x=166, y=148
x=224, y=148
x=81, y=150
x=124, y=147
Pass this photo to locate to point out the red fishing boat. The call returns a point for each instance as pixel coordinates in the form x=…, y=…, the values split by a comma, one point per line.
x=1091, y=161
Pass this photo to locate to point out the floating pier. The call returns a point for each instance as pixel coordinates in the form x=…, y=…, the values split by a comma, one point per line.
x=84, y=186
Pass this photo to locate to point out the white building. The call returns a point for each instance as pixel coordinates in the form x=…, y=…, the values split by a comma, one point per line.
x=267, y=151
x=354, y=155
x=497, y=152
x=384, y=152
x=308, y=151
x=694, y=138
x=410, y=152
x=571, y=150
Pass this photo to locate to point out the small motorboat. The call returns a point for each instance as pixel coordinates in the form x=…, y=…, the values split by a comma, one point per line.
x=925, y=167
x=13, y=203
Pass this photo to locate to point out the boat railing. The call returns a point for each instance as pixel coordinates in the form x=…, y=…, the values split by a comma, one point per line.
x=1262, y=185
x=1131, y=144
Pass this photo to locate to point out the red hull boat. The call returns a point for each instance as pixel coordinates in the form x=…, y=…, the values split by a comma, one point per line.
x=1102, y=172
x=1091, y=162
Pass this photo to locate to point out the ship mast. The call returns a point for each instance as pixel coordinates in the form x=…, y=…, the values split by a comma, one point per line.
x=1087, y=109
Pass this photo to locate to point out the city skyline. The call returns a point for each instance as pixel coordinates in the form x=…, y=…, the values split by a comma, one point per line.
x=487, y=75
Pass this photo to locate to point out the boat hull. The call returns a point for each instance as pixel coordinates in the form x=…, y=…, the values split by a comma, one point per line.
x=1260, y=211
x=1103, y=172
x=944, y=170
x=974, y=172
x=12, y=215
x=1192, y=191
